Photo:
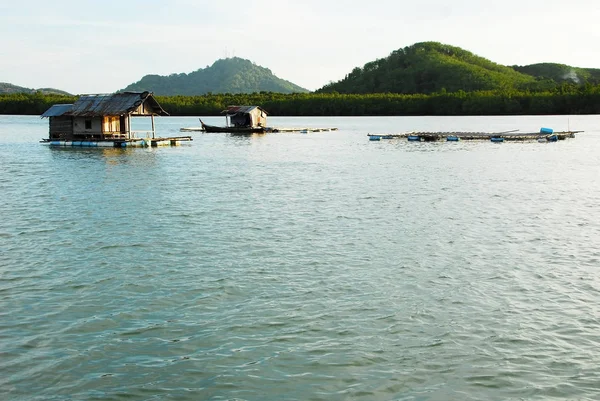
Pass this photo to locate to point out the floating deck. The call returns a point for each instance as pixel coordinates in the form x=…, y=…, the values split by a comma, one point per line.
x=493, y=136
x=191, y=129
x=122, y=143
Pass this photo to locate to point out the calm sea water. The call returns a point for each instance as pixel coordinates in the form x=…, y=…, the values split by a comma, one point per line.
x=302, y=266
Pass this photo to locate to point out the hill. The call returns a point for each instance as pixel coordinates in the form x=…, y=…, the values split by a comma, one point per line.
x=231, y=75
x=561, y=73
x=429, y=67
x=432, y=67
x=6, y=88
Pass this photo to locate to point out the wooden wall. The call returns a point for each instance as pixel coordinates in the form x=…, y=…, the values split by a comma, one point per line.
x=79, y=126
x=61, y=127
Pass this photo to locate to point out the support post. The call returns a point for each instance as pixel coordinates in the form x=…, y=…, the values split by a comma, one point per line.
x=153, y=130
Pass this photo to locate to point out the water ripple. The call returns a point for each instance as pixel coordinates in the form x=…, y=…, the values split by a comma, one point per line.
x=301, y=267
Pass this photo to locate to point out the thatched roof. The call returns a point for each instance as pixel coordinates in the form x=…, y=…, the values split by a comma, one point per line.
x=116, y=104
x=242, y=109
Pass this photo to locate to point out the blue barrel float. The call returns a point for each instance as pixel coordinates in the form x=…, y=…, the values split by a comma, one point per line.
x=549, y=133
x=414, y=138
x=374, y=138
x=452, y=138
x=497, y=139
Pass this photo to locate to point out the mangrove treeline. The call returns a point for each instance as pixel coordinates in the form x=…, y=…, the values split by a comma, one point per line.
x=565, y=99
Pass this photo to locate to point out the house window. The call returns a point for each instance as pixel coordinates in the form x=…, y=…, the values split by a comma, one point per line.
x=88, y=124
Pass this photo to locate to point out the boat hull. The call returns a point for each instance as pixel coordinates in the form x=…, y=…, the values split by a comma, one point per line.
x=236, y=130
x=233, y=129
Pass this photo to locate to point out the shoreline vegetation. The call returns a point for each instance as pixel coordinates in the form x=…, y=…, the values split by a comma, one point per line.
x=564, y=99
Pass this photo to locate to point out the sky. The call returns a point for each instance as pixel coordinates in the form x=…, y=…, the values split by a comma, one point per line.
x=88, y=47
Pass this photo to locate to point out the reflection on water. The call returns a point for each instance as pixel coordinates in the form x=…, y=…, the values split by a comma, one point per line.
x=252, y=135
x=145, y=157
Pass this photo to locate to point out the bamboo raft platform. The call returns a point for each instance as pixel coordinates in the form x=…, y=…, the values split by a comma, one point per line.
x=513, y=135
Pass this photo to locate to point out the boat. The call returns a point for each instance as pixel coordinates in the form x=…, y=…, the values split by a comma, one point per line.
x=231, y=129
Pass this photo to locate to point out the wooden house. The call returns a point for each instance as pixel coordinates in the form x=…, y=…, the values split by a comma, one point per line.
x=101, y=118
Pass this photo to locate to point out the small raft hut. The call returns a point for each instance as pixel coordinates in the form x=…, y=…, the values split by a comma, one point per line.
x=239, y=119
x=105, y=121
x=245, y=116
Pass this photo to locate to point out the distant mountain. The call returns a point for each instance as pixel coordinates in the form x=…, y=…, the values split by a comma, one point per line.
x=6, y=88
x=231, y=75
x=430, y=67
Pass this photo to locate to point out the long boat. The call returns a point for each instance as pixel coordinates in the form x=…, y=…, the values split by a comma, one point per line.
x=232, y=129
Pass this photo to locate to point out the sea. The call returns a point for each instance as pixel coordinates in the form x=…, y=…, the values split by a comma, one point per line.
x=302, y=266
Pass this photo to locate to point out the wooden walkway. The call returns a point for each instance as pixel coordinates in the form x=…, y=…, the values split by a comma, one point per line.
x=265, y=130
x=301, y=130
x=170, y=141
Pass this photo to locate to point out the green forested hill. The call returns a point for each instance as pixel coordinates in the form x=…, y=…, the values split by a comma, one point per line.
x=561, y=73
x=232, y=75
x=432, y=67
x=6, y=88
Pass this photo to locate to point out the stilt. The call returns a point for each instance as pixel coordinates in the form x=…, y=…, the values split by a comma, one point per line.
x=153, y=129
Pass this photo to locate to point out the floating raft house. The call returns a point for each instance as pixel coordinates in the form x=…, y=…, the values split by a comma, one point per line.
x=544, y=135
x=105, y=121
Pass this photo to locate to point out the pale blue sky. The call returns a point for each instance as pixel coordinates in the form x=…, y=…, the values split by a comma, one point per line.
x=102, y=46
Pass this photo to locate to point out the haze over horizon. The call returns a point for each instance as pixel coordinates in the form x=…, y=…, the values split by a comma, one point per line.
x=82, y=48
